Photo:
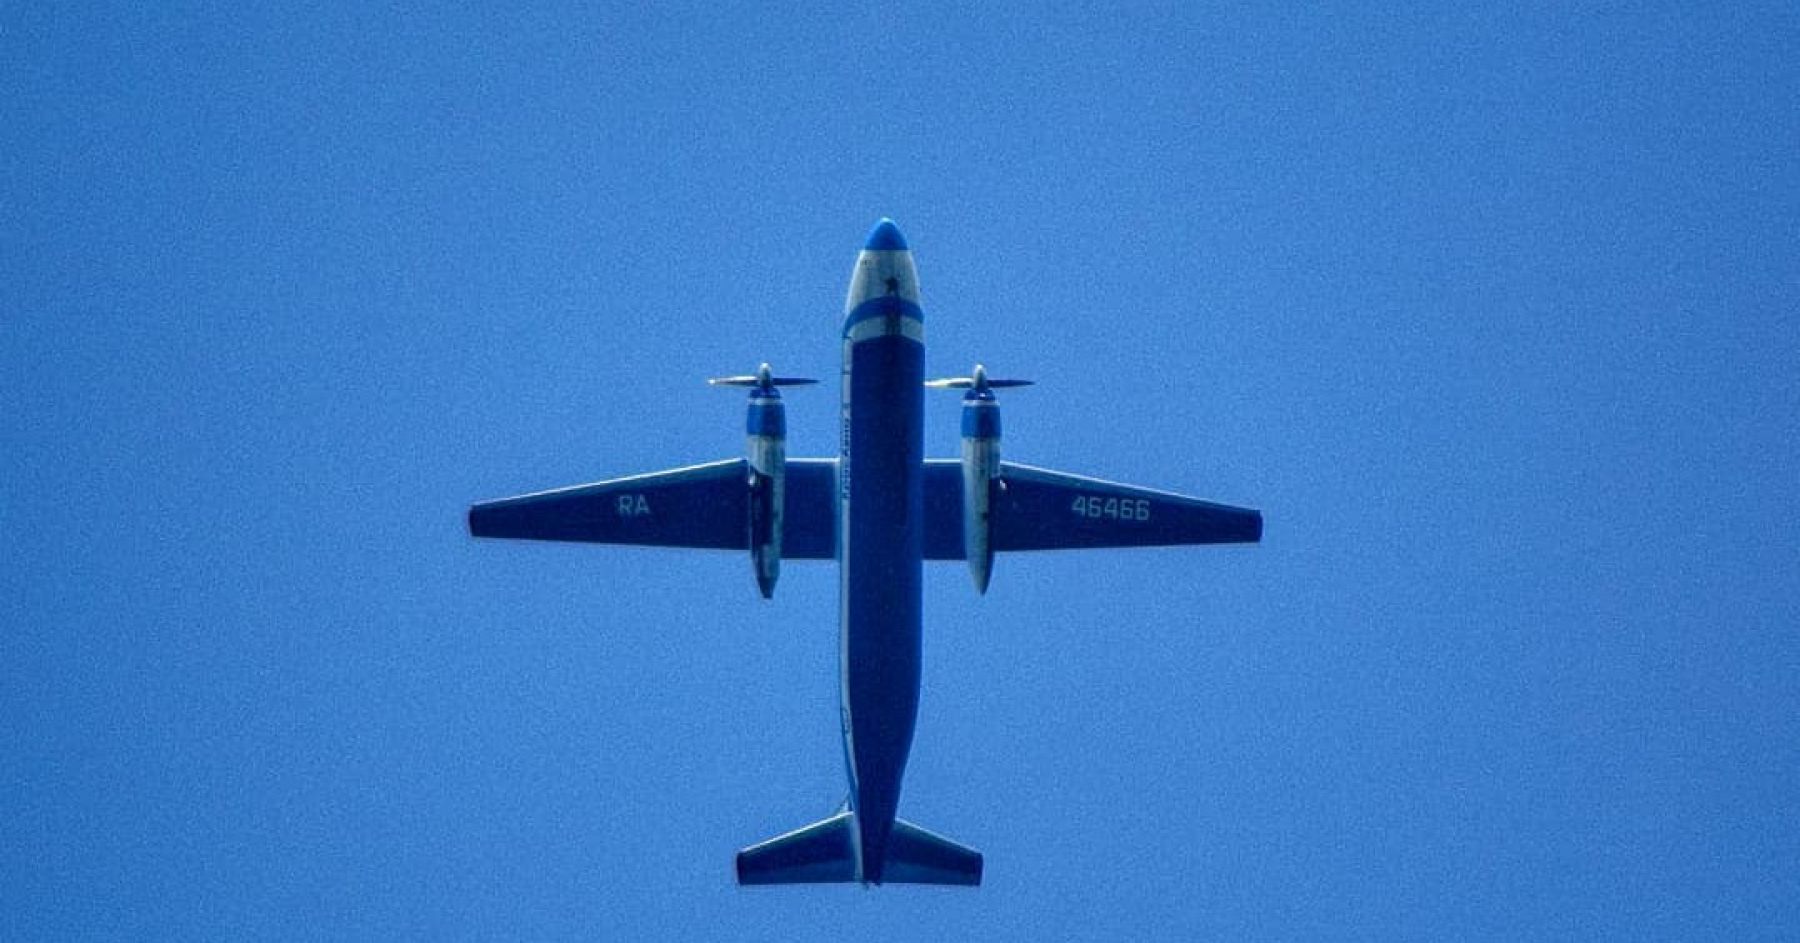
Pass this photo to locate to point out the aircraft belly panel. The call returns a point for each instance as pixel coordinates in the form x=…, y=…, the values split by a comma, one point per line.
x=882, y=573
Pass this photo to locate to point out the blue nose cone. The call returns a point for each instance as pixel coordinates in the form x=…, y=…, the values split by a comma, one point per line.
x=885, y=235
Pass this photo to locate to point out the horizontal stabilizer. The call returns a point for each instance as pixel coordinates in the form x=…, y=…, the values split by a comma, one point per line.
x=825, y=853
x=917, y=856
x=820, y=853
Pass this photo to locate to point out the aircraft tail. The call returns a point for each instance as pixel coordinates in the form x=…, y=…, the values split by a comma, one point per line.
x=824, y=853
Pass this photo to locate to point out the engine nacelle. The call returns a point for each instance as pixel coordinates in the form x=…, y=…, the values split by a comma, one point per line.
x=980, y=480
x=765, y=447
x=980, y=466
x=765, y=450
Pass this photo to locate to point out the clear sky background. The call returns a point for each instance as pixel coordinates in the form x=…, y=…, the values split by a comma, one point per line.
x=1492, y=313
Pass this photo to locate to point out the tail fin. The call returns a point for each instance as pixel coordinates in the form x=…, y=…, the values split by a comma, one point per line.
x=824, y=853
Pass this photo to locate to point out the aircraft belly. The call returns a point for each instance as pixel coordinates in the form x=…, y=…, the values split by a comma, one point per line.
x=882, y=574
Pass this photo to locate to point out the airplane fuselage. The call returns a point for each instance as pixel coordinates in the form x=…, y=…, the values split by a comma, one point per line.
x=880, y=531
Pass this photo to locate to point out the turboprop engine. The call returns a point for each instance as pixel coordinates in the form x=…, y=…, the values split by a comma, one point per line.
x=765, y=448
x=980, y=466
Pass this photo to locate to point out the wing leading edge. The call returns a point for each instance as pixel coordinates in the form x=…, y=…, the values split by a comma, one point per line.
x=701, y=506
x=1041, y=509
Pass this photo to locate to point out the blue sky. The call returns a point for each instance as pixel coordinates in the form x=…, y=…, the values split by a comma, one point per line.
x=1491, y=312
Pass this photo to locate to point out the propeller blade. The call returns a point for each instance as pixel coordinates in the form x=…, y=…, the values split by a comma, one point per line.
x=763, y=378
x=754, y=381
x=963, y=383
x=977, y=381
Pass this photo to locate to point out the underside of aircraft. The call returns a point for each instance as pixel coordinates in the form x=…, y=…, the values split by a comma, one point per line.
x=879, y=508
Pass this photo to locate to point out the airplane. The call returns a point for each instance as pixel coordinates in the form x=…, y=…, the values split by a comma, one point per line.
x=880, y=509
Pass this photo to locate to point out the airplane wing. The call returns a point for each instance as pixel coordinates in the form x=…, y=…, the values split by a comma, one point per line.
x=701, y=506
x=1042, y=509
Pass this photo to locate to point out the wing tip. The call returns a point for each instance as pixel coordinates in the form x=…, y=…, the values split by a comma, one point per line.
x=484, y=519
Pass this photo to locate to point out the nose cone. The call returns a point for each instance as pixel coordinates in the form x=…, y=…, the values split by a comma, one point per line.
x=885, y=282
x=885, y=235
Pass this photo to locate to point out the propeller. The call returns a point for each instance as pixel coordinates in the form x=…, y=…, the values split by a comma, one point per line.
x=978, y=382
x=762, y=380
